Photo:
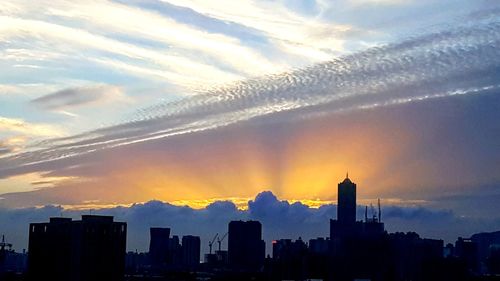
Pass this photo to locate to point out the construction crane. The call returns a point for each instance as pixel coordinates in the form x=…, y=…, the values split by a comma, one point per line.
x=212, y=242
x=4, y=245
x=219, y=240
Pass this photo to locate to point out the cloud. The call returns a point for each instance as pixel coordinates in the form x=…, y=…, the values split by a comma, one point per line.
x=415, y=117
x=12, y=145
x=81, y=96
x=280, y=219
x=8, y=89
x=178, y=67
x=30, y=182
x=292, y=32
x=460, y=61
x=19, y=126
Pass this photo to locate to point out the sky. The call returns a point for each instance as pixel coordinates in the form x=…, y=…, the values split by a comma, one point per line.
x=208, y=111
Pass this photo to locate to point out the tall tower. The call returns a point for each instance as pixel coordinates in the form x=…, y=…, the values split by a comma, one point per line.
x=246, y=249
x=159, y=245
x=346, y=205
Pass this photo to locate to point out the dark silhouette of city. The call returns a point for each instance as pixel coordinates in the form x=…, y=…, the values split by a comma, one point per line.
x=94, y=249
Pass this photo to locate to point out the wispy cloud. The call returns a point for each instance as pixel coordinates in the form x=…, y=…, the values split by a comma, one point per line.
x=74, y=97
x=19, y=126
x=436, y=65
x=30, y=182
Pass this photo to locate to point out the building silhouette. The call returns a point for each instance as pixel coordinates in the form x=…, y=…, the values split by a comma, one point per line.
x=174, y=258
x=12, y=264
x=357, y=248
x=290, y=259
x=159, y=240
x=191, y=246
x=91, y=249
x=467, y=250
x=487, y=244
x=346, y=226
x=346, y=205
x=246, y=249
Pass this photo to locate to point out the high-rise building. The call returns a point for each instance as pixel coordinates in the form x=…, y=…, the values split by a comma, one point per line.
x=191, y=246
x=92, y=249
x=345, y=225
x=467, y=250
x=346, y=208
x=246, y=249
x=174, y=251
x=159, y=246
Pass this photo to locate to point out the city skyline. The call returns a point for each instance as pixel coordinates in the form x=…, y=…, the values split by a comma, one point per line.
x=94, y=248
x=280, y=219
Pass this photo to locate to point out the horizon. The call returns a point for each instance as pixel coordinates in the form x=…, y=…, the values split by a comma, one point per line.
x=278, y=216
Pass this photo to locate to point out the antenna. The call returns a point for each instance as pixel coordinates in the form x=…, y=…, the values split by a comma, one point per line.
x=379, y=212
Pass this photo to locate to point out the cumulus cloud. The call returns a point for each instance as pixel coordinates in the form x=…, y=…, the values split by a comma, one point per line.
x=280, y=219
x=81, y=96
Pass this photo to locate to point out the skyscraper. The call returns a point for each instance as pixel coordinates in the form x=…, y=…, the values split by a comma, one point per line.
x=92, y=249
x=346, y=208
x=191, y=251
x=346, y=225
x=246, y=249
x=159, y=246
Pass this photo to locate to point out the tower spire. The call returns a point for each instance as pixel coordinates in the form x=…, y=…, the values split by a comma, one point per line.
x=347, y=174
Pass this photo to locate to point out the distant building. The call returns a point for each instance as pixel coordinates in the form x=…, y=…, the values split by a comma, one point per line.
x=159, y=246
x=346, y=226
x=484, y=242
x=346, y=206
x=246, y=249
x=356, y=247
x=493, y=260
x=467, y=250
x=136, y=263
x=286, y=248
x=92, y=249
x=174, y=252
x=10, y=261
x=191, y=246
x=319, y=245
x=412, y=257
x=290, y=259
